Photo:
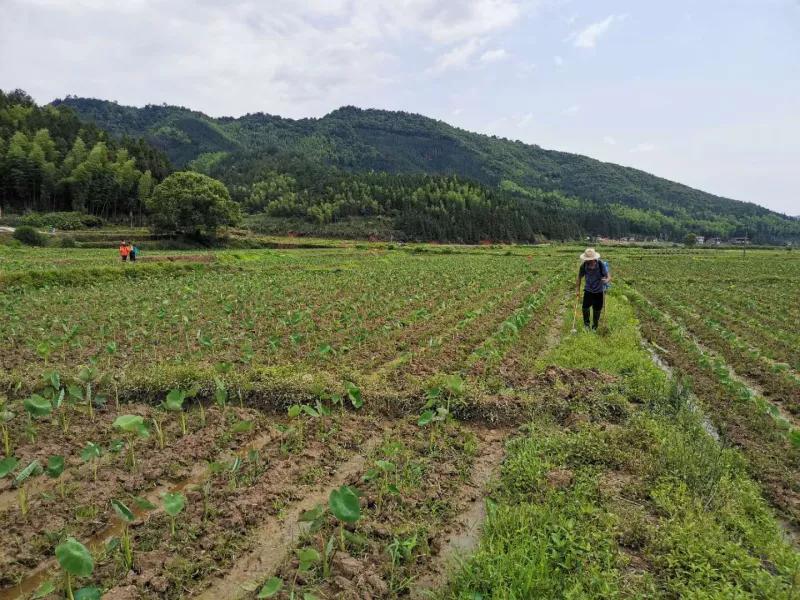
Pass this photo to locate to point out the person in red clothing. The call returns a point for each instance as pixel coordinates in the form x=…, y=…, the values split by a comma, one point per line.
x=124, y=251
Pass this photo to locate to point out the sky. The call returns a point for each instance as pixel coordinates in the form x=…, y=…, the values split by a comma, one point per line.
x=702, y=92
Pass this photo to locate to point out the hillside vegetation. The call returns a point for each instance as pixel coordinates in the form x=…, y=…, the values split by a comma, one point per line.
x=322, y=156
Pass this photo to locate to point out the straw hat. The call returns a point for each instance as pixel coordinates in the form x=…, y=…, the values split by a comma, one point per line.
x=590, y=254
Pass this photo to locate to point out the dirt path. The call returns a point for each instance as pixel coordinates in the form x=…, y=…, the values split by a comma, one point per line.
x=276, y=537
x=462, y=536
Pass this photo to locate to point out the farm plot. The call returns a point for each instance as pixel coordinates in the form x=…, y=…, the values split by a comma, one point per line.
x=327, y=423
x=179, y=495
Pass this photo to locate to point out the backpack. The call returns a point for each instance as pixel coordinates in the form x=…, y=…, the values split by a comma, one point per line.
x=605, y=272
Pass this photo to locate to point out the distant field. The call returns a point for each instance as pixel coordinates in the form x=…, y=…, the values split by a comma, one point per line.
x=441, y=384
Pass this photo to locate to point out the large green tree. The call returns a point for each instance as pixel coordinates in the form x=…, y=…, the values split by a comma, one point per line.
x=192, y=204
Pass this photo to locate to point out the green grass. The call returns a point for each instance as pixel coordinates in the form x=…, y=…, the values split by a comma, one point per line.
x=650, y=506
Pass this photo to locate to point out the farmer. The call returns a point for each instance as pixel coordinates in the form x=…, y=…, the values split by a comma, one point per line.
x=132, y=252
x=596, y=274
x=124, y=251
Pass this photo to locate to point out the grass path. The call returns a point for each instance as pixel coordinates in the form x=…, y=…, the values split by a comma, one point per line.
x=617, y=491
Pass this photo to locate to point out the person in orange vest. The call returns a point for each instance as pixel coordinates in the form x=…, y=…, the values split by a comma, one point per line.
x=124, y=251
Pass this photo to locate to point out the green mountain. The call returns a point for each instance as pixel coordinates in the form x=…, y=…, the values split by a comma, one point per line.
x=353, y=140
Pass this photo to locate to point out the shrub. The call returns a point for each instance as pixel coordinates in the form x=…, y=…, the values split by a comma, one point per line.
x=68, y=242
x=29, y=236
x=67, y=221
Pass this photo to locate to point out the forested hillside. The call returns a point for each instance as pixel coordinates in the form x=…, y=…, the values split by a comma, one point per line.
x=50, y=160
x=606, y=199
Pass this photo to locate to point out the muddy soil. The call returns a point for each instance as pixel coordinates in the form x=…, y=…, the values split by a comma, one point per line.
x=85, y=511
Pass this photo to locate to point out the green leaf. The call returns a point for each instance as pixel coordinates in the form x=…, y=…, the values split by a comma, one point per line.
x=294, y=410
x=309, y=410
x=55, y=466
x=344, y=504
x=425, y=418
x=37, y=406
x=143, y=503
x=270, y=588
x=53, y=379
x=131, y=424
x=309, y=596
x=123, y=512
x=242, y=427
x=385, y=465
x=307, y=558
x=44, y=590
x=174, y=400
x=88, y=593
x=174, y=503
x=353, y=394
x=90, y=452
x=74, y=558
x=32, y=469
x=311, y=515
x=75, y=392
x=7, y=465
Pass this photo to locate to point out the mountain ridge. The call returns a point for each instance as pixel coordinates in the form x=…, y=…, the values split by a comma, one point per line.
x=360, y=140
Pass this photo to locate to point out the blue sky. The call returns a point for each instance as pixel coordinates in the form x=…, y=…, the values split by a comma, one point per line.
x=706, y=93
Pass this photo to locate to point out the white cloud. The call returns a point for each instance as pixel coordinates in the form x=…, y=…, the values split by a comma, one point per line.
x=525, y=120
x=587, y=37
x=558, y=60
x=610, y=140
x=228, y=58
x=495, y=55
x=458, y=57
x=571, y=110
x=643, y=147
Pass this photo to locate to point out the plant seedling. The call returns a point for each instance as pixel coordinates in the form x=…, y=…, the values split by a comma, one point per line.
x=54, y=470
x=126, y=546
x=76, y=561
x=174, y=403
x=270, y=588
x=353, y=393
x=36, y=406
x=133, y=427
x=6, y=416
x=88, y=376
x=32, y=470
x=174, y=503
x=92, y=453
x=7, y=465
x=345, y=506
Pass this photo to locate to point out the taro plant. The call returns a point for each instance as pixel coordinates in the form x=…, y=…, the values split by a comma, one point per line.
x=174, y=503
x=76, y=561
x=36, y=407
x=6, y=416
x=385, y=472
x=90, y=378
x=174, y=403
x=133, y=428
x=271, y=587
x=91, y=453
x=32, y=470
x=344, y=504
x=353, y=393
x=127, y=517
x=55, y=470
x=7, y=465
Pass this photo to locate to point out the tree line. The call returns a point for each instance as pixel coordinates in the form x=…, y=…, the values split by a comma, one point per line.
x=51, y=161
